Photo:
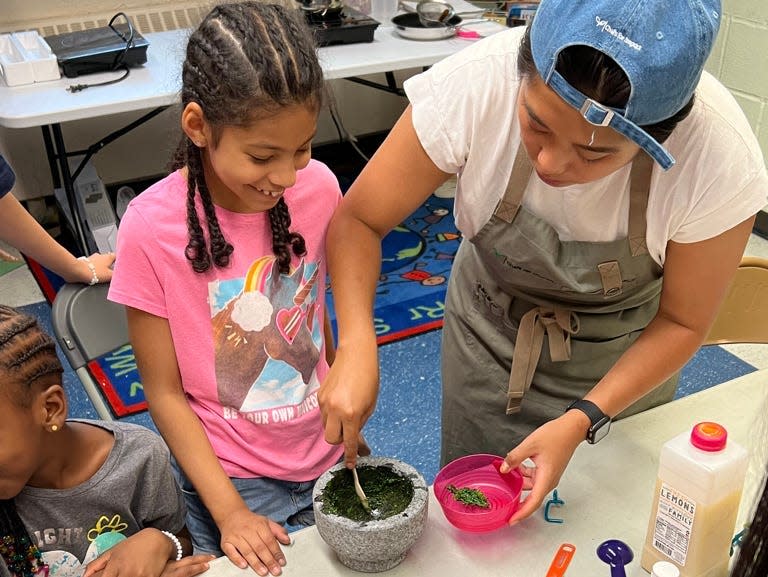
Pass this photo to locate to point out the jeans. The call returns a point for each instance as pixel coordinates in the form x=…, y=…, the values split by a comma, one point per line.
x=286, y=502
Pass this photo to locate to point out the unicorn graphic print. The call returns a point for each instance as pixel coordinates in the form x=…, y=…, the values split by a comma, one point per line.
x=268, y=335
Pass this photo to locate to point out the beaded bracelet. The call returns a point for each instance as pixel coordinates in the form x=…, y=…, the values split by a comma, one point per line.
x=92, y=268
x=175, y=539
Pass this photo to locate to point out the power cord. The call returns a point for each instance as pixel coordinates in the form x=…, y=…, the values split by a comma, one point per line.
x=79, y=87
x=350, y=138
x=118, y=62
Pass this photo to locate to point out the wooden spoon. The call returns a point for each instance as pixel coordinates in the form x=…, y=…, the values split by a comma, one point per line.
x=360, y=492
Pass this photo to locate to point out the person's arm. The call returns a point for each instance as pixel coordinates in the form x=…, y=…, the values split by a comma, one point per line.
x=395, y=182
x=696, y=279
x=246, y=538
x=19, y=229
x=149, y=553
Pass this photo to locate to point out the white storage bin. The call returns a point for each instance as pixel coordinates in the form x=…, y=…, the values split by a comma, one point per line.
x=14, y=68
x=39, y=54
x=25, y=58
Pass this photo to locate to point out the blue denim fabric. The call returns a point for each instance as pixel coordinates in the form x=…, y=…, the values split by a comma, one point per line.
x=660, y=45
x=7, y=177
x=285, y=502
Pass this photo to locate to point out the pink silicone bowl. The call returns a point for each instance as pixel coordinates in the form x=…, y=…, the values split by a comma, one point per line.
x=479, y=472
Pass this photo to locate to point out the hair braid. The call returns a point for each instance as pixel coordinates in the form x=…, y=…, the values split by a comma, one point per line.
x=220, y=248
x=27, y=353
x=282, y=238
x=21, y=556
x=196, y=250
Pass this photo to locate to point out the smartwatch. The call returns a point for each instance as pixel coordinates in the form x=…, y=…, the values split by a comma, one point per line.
x=600, y=423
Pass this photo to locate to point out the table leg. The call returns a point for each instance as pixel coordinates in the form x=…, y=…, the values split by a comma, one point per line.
x=58, y=162
x=59, y=151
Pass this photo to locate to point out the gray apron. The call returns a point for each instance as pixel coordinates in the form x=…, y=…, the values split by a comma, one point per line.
x=516, y=283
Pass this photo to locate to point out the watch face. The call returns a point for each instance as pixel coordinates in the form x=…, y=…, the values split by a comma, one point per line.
x=599, y=430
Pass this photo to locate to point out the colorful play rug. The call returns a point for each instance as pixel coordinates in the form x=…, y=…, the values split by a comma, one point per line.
x=416, y=261
x=410, y=297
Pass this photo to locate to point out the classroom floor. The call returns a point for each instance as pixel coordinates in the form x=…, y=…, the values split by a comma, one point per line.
x=406, y=423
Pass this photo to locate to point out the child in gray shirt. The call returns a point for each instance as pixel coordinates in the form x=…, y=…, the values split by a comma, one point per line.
x=76, y=493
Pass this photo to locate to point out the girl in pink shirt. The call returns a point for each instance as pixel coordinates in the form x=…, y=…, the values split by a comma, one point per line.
x=221, y=266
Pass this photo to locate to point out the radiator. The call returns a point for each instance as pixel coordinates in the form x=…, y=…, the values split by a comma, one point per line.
x=153, y=17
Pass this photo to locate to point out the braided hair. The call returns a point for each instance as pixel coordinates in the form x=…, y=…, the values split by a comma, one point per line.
x=243, y=59
x=27, y=360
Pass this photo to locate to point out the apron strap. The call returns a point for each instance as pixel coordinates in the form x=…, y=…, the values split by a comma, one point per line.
x=559, y=324
x=639, y=189
x=512, y=199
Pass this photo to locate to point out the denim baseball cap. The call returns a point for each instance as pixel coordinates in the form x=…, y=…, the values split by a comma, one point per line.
x=661, y=45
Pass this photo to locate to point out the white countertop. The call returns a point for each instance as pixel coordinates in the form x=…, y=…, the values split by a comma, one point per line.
x=157, y=82
x=607, y=489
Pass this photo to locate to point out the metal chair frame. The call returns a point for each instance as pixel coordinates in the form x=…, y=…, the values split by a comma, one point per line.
x=87, y=325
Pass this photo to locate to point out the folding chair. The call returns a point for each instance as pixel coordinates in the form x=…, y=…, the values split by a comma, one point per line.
x=87, y=326
x=743, y=317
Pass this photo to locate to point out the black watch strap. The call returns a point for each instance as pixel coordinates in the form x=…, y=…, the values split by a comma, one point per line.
x=600, y=423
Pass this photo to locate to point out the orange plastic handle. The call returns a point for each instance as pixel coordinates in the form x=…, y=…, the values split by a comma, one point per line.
x=562, y=558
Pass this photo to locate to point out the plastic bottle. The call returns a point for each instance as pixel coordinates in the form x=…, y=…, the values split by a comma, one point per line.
x=665, y=569
x=697, y=496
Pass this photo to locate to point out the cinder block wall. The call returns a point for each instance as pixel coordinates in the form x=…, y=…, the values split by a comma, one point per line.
x=740, y=60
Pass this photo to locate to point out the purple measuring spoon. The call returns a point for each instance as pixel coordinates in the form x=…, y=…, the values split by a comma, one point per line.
x=617, y=554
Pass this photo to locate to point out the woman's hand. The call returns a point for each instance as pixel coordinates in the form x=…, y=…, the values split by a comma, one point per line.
x=550, y=447
x=251, y=539
x=347, y=397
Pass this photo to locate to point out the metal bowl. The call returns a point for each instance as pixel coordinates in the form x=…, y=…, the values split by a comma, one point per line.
x=408, y=26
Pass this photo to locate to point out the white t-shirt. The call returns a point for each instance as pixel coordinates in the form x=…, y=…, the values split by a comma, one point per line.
x=465, y=115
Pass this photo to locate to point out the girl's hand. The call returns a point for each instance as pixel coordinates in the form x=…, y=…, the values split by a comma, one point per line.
x=144, y=554
x=188, y=566
x=251, y=539
x=550, y=447
x=102, y=262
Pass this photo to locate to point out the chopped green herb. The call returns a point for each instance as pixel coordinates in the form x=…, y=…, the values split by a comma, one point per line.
x=388, y=492
x=468, y=496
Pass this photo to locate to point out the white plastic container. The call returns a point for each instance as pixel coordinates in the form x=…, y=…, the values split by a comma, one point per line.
x=25, y=57
x=696, y=501
x=36, y=51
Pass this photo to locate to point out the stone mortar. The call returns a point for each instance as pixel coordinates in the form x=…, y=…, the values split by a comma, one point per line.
x=376, y=545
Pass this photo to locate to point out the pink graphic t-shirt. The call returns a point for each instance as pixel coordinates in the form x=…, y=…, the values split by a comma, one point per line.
x=248, y=339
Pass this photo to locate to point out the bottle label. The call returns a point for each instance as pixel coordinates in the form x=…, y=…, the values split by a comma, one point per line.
x=674, y=520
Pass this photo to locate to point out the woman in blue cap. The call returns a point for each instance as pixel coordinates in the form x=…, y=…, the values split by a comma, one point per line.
x=606, y=191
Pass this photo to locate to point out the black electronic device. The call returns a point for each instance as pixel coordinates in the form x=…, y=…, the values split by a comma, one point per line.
x=342, y=25
x=112, y=47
